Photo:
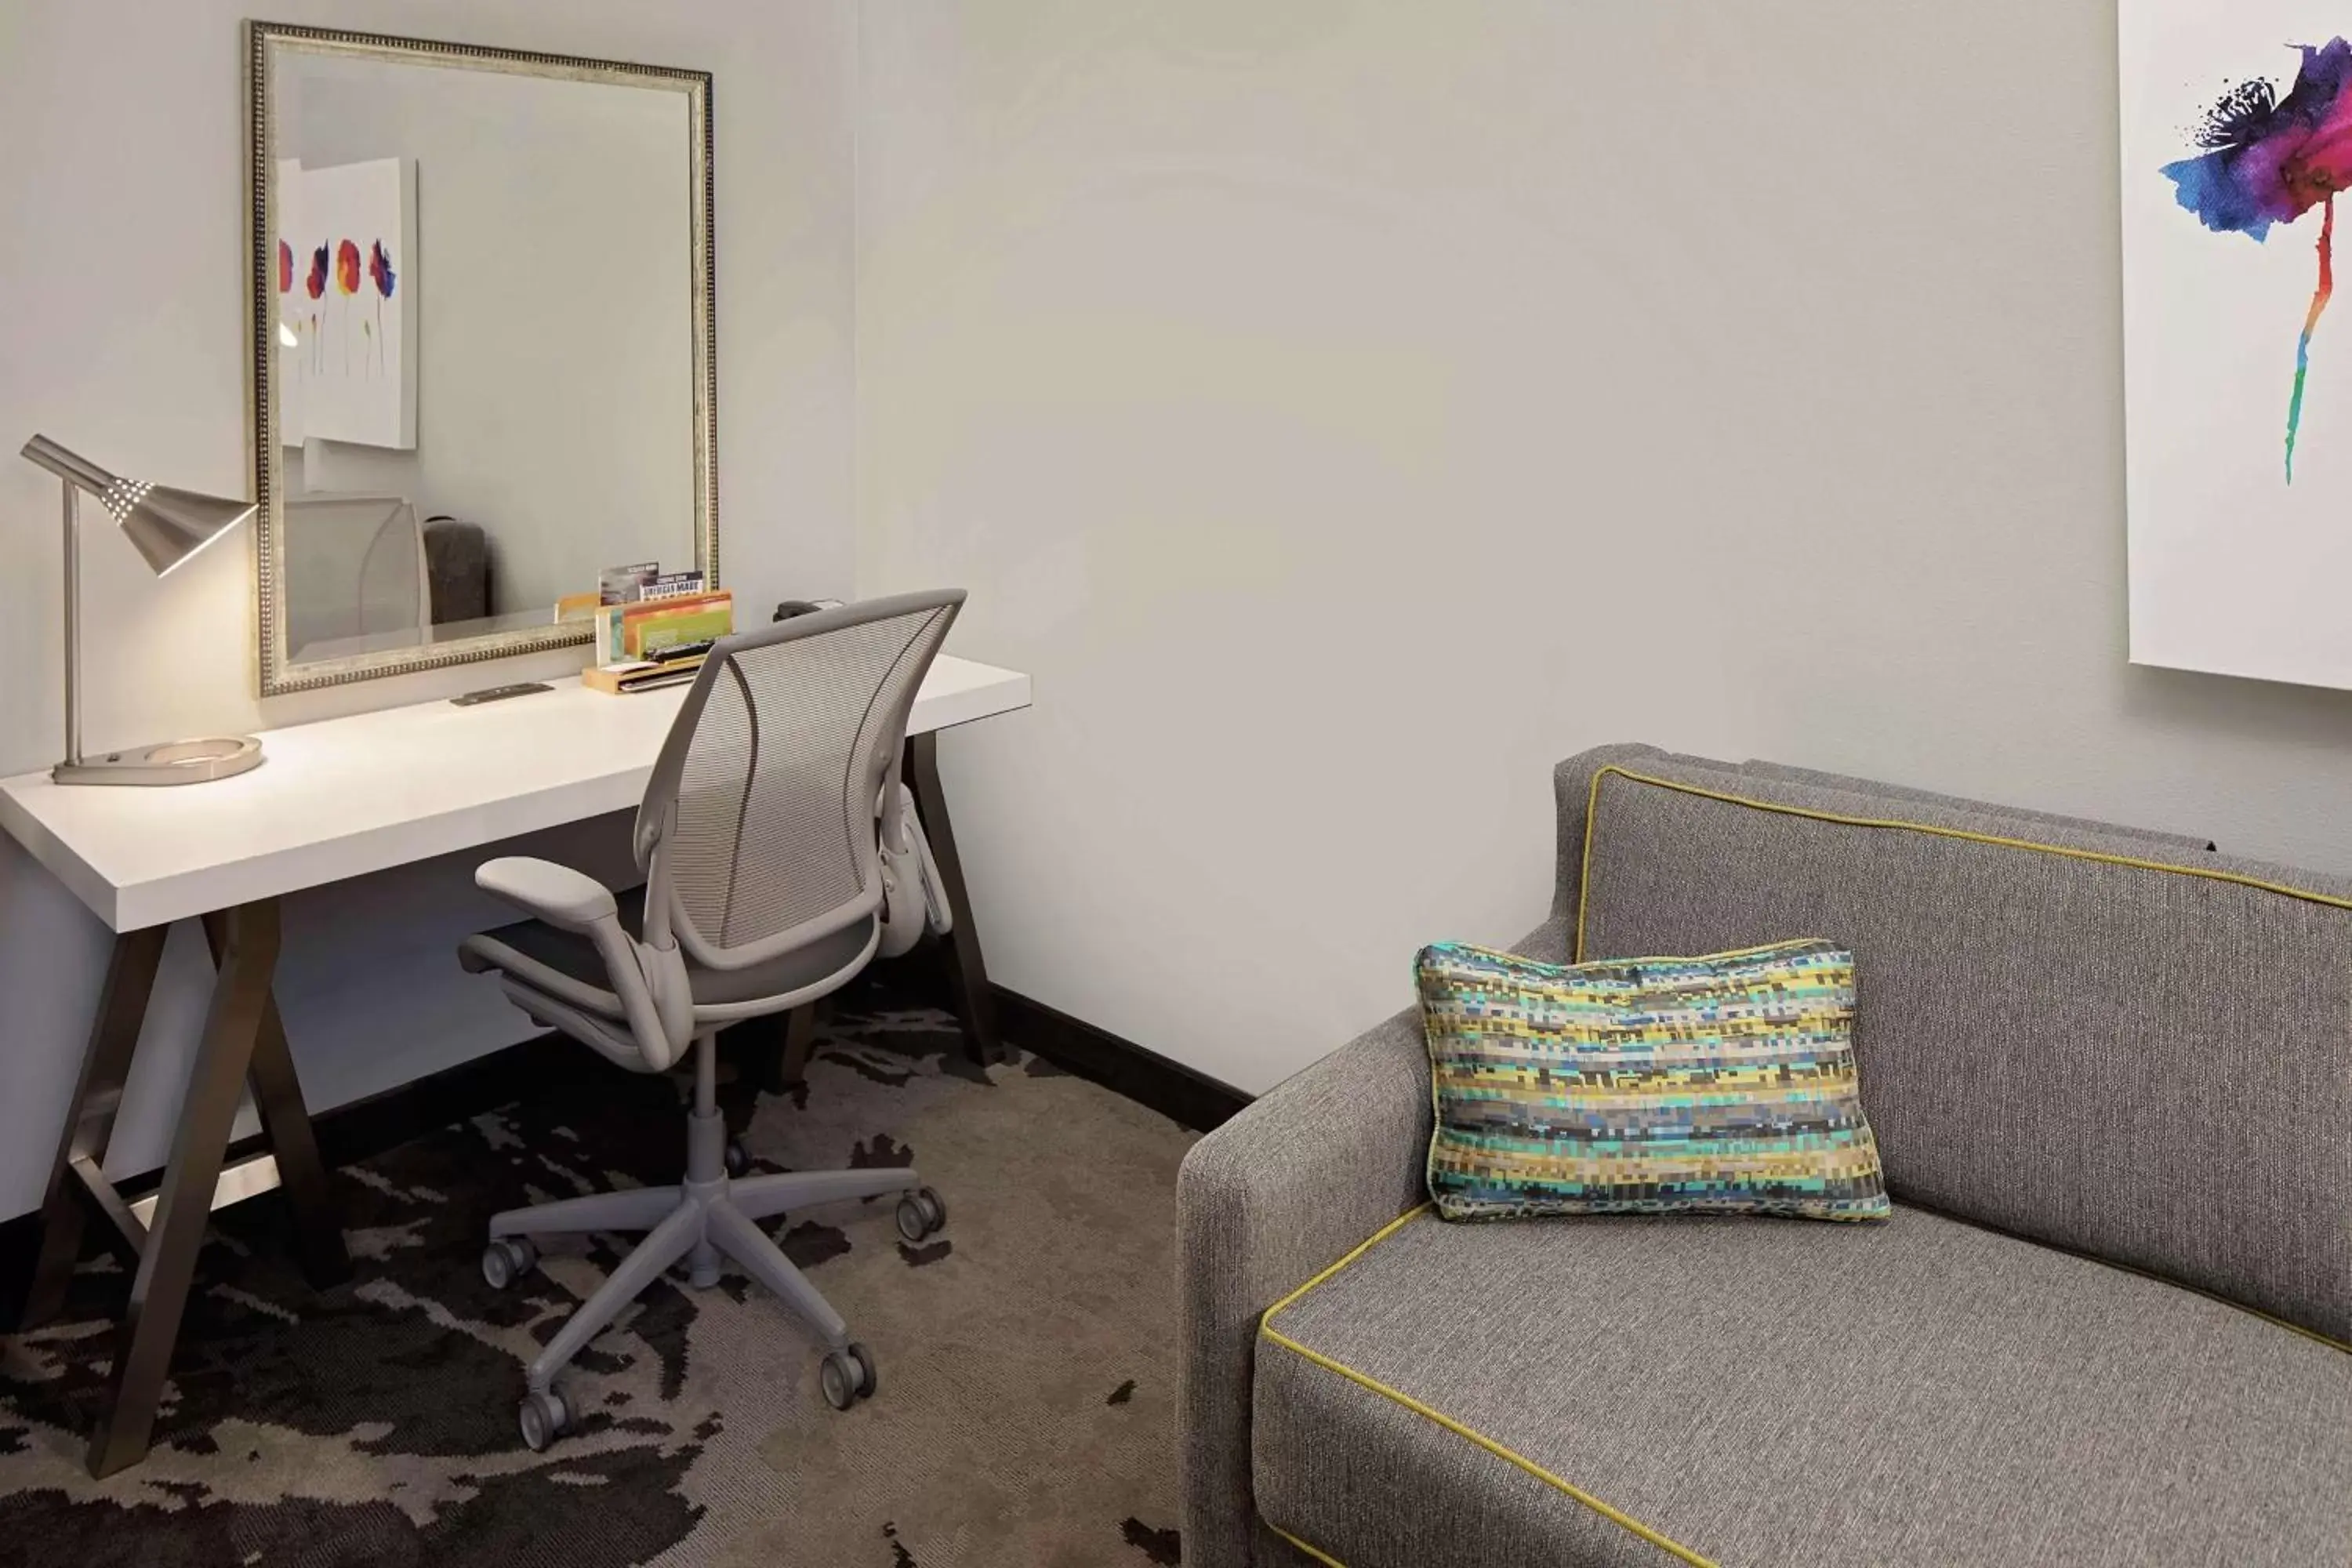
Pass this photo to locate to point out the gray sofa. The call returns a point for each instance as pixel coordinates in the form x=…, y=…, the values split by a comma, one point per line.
x=2111, y=1077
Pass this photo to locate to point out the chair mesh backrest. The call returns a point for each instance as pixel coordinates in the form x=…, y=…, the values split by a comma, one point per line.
x=775, y=831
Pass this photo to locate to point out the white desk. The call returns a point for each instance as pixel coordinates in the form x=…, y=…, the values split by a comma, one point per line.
x=332, y=801
x=347, y=796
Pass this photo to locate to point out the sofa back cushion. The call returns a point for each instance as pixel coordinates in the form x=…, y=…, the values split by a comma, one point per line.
x=2186, y=843
x=2059, y=1032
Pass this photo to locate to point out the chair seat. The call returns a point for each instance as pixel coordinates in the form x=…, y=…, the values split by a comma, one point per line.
x=1782, y=1392
x=566, y=966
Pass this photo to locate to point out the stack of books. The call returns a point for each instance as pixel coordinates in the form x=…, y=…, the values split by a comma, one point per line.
x=643, y=628
x=652, y=630
x=640, y=675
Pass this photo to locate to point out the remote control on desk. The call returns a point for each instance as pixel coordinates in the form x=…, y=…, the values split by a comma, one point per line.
x=500, y=693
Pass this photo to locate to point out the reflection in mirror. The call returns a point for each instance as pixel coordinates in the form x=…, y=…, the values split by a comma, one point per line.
x=488, y=354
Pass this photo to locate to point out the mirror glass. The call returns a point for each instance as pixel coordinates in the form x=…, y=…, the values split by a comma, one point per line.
x=482, y=347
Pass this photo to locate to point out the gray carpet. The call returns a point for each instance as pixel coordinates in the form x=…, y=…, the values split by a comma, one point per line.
x=1025, y=1413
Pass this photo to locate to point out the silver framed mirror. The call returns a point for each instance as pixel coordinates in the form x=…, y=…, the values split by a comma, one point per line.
x=482, y=360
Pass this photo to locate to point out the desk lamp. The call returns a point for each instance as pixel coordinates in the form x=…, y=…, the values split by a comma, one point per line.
x=167, y=526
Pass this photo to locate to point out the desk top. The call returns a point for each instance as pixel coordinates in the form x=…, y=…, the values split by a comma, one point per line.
x=347, y=796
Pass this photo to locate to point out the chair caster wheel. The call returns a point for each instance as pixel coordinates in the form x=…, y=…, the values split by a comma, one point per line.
x=920, y=1214
x=507, y=1259
x=737, y=1160
x=847, y=1376
x=544, y=1417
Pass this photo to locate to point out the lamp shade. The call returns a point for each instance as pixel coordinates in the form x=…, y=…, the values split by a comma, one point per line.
x=167, y=526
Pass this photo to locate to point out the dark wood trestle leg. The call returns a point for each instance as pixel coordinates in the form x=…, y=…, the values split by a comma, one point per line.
x=243, y=1042
x=967, y=971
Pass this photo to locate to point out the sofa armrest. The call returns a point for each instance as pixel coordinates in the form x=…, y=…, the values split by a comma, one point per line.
x=1266, y=1202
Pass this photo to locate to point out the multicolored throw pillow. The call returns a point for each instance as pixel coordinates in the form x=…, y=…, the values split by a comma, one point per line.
x=1717, y=1085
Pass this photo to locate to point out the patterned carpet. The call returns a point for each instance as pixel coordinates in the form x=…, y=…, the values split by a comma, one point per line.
x=1025, y=1413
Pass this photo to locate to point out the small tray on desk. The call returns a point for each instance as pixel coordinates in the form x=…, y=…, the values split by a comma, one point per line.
x=642, y=675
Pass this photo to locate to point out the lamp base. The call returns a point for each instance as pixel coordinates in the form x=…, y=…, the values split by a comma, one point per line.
x=175, y=762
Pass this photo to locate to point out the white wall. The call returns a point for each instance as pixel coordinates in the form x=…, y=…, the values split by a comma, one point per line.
x=122, y=275
x=1346, y=409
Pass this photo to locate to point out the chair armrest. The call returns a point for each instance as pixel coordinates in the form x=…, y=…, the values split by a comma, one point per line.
x=556, y=894
x=652, y=983
x=1265, y=1203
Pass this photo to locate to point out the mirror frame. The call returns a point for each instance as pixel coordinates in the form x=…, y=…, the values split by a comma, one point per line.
x=277, y=673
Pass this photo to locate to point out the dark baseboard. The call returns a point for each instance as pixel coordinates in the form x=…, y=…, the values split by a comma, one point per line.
x=1084, y=1050
x=366, y=1128
x=1183, y=1096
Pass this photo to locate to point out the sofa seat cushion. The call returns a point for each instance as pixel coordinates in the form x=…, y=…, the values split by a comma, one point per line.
x=1754, y=1393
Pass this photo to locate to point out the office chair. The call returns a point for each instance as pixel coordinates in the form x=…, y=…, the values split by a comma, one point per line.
x=780, y=852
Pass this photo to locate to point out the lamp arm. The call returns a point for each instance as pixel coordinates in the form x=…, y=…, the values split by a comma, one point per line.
x=70, y=467
x=73, y=609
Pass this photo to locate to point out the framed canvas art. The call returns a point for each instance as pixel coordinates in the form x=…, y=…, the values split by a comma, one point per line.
x=347, y=271
x=2237, y=135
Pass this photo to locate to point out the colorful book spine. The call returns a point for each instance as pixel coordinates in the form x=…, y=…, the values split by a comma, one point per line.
x=632, y=631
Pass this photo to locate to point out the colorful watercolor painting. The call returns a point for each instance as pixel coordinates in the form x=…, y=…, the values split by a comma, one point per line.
x=2270, y=160
x=2237, y=141
x=316, y=287
x=355, y=355
x=381, y=274
x=347, y=284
